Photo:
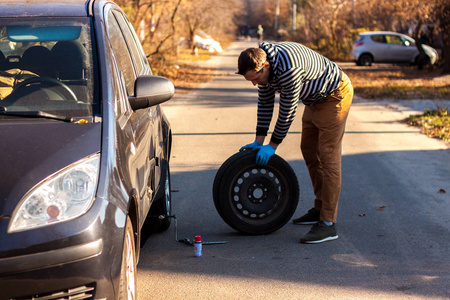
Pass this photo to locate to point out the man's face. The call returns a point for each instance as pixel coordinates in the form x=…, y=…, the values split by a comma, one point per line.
x=260, y=77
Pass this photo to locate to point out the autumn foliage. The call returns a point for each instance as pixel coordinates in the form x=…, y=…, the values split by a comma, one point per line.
x=329, y=26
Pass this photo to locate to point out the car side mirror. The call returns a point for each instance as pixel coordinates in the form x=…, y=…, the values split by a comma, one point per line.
x=150, y=90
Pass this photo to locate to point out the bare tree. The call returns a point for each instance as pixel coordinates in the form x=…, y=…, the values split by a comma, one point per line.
x=154, y=21
x=214, y=17
x=328, y=25
x=443, y=17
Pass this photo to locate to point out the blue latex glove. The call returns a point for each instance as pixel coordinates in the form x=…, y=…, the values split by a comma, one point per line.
x=264, y=153
x=250, y=146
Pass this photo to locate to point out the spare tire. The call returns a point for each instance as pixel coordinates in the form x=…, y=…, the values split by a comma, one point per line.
x=255, y=199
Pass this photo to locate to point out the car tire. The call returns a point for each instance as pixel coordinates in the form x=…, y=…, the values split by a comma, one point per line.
x=217, y=180
x=365, y=60
x=127, y=286
x=160, y=212
x=255, y=199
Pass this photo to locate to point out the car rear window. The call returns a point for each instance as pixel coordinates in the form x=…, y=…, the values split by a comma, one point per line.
x=379, y=38
x=360, y=39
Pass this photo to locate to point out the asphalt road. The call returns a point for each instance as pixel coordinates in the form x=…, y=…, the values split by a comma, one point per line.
x=393, y=223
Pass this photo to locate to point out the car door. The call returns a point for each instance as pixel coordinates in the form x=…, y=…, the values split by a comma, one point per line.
x=397, y=51
x=378, y=47
x=141, y=163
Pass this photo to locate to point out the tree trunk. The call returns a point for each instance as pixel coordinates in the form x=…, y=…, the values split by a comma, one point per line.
x=446, y=54
x=443, y=16
x=423, y=58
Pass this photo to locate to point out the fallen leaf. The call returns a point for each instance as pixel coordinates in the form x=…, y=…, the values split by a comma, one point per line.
x=442, y=191
x=382, y=207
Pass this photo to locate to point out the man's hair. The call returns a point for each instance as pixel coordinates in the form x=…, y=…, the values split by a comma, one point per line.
x=251, y=59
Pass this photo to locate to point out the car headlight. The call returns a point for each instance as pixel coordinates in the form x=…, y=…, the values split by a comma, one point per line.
x=64, y=195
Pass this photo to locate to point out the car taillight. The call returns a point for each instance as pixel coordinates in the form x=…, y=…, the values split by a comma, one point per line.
x=359, y=44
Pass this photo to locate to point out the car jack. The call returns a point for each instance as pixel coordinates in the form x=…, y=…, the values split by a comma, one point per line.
x=188, y=241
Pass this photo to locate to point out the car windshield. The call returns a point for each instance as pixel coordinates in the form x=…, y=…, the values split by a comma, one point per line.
x=46, y=65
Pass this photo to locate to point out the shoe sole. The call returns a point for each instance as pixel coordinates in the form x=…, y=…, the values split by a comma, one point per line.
x=330, y=238
x=305, y=223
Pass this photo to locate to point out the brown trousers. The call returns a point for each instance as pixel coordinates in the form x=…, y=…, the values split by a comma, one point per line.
x=321, y=145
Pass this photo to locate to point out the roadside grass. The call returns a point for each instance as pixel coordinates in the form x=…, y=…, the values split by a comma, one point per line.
x=403, y=92
x=408, y=83
x=434, y=123
x=399, y=82
x=182, y=71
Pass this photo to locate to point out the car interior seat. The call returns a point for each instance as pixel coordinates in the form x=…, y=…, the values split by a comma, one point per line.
x=3, y=61
x=35, y=59
x=68, y=60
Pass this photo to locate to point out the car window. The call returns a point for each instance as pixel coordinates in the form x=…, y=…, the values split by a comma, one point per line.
x=47, y=65
x=122, y=106
x=408, y=42
x=121, y=52
x=394, y=40
x=133, y=44
x=378, y=38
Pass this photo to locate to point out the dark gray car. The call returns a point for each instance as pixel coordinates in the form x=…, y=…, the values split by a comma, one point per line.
x=84, y=150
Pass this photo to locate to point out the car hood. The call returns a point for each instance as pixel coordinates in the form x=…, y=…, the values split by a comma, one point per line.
x=32, y=150
x=431, y=52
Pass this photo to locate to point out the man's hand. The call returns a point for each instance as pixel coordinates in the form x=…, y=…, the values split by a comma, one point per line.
x=264, y=153
x=251, y=146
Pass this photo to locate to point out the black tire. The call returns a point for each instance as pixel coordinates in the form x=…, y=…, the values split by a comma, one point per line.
x=160, y=212
x=252, y=199
x=127, y=285
x=218, y=179
x=365, y=60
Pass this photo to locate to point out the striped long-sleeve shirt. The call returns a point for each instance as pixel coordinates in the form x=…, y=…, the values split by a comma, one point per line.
x=298, y=74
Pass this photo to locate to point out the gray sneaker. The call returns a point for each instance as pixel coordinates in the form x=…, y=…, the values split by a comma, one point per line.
x=319, y=233
x=311, y=217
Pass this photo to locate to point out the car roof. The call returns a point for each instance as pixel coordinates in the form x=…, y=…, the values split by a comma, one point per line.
x=380, y=32
x=48, y=8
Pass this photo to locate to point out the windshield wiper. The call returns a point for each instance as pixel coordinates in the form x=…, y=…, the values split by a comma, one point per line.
x=34, y=114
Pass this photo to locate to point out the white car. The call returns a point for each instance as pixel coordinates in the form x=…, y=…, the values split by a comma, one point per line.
x=207, y=43
x=388, y=47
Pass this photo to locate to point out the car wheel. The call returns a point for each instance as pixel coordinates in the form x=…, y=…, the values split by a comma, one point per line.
x=127, y=287
x=217, y=180
x=365, y=60
x=255, y=199
x=159, y=215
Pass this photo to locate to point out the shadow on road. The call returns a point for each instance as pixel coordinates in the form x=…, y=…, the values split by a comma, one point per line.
x=393, y=231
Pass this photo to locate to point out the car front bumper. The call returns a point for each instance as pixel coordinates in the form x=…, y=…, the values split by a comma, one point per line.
x=85, y=265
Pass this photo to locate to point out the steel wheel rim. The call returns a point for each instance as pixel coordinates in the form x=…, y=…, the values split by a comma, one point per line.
x=258, y=195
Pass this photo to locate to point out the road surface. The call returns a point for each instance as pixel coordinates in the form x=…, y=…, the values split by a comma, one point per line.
x=393, y=220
